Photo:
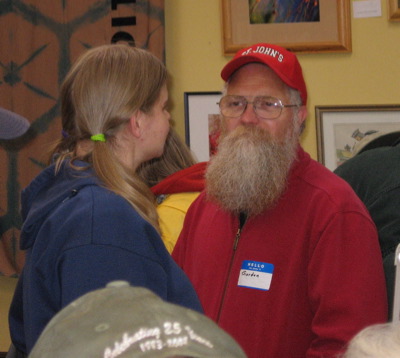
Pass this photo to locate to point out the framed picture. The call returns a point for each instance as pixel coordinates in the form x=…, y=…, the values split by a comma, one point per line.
x=202, y=122
x=394, y=10
x=302, y=26
x=342, y=131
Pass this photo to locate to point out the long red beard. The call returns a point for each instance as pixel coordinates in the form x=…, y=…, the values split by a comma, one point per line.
x=249, y=172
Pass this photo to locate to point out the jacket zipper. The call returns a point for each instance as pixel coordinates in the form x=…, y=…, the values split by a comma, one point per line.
x=235, y=244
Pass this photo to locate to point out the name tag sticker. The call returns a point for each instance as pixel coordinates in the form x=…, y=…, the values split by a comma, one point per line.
x=256, y=275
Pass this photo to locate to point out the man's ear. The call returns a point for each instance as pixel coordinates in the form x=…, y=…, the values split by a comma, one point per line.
x=302, y=114
x=136, y=124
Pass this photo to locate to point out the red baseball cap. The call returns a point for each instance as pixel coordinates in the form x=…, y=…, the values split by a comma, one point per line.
x=283, y=62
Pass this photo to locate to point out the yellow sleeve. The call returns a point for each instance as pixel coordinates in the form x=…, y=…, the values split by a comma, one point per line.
x=171, y=214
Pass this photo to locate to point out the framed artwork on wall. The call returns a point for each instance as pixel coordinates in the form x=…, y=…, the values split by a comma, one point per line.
x=302, y=26
x=202, y=122
x=343, y=130
x=394, y=10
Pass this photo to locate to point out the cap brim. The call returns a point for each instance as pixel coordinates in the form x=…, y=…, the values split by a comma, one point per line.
x=12, y=125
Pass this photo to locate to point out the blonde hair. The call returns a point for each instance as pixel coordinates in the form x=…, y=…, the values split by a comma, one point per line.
x=176, y=156
x=101, y=92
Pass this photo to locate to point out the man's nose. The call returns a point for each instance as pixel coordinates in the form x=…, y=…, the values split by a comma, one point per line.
x=249, y=115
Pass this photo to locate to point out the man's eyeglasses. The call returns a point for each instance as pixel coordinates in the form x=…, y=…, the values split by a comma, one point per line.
x=265, y=107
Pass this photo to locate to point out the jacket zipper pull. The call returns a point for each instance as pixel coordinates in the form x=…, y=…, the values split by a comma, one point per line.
x=242, y=221
x=71, y=195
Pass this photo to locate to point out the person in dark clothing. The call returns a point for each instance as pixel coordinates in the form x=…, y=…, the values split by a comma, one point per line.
x=374, y=174
x=88, y=218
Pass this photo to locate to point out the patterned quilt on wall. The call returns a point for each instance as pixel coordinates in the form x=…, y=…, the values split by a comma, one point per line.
x=39, y=39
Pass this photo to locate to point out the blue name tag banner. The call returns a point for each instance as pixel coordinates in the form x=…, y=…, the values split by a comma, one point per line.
x=257, y=275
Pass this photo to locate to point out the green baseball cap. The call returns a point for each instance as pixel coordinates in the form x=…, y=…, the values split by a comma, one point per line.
x=124, y=321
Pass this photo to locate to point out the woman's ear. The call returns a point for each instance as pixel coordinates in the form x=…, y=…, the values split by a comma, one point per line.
x=136, y=124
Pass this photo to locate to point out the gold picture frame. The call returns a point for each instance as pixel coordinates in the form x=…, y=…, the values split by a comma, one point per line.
x=393, y=10
x=331, y=34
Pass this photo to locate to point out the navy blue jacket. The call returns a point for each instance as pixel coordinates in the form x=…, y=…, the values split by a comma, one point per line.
x=79, y=236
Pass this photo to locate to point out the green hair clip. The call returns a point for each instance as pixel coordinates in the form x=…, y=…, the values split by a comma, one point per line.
x=98, y=137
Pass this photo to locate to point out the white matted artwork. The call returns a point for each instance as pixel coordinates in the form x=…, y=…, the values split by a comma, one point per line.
x=343, y=130
x=202, y=121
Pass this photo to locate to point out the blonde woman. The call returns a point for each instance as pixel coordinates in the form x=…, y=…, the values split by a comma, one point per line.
x=88, y=219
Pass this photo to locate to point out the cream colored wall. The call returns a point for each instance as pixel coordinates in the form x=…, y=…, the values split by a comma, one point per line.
x=368, y=75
